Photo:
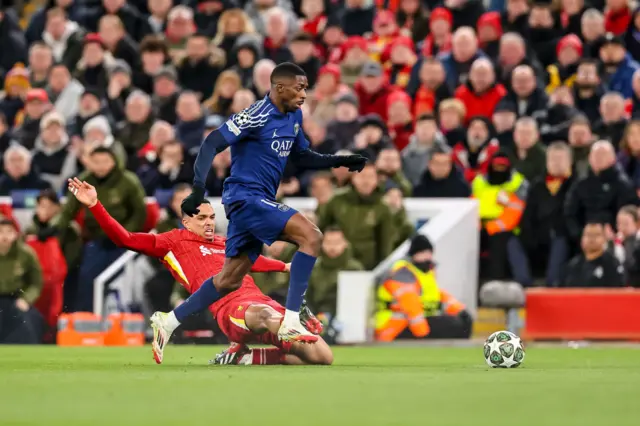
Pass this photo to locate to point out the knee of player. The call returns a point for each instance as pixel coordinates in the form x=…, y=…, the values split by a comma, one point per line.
x=314, y=240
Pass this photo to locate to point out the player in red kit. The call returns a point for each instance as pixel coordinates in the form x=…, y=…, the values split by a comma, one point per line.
x=192, y=255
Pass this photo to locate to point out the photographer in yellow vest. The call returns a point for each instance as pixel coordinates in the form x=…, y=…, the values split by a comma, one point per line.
x=411, y=305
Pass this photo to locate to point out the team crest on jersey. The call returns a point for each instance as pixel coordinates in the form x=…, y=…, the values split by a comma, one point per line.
x=283, y=207
x=296, y=128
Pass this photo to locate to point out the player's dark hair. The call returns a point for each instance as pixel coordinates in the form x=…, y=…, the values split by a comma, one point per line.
x=286, y=70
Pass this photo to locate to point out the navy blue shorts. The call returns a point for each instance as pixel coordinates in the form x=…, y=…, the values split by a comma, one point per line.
x=254, y=222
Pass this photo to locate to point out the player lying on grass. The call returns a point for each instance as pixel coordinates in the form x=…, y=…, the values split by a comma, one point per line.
x=262, y=138
x=192, y=255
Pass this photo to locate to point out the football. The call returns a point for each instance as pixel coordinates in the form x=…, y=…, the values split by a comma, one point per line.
x=503, y=349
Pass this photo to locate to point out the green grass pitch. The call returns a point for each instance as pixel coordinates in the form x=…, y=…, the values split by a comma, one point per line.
x=372, y=386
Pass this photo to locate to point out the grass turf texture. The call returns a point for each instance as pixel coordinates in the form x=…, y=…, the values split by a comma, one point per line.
x=367, y=386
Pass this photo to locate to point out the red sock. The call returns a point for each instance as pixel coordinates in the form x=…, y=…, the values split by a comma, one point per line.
x=267, y=356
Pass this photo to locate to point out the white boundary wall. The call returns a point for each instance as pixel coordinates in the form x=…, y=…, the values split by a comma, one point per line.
x=452, y=227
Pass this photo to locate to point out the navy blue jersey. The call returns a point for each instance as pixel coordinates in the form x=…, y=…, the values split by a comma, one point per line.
x=261, y=139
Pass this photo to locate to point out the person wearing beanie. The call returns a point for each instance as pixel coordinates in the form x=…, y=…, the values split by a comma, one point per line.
x=373, y=90
x=123, y=198
x=489, y=29
x=439, y=39
x=246, y=51
x=352, y=59
x=474, y=154
x=564, y=71
x=618, y=64
x=411, y=305
x=356, y=18
x=400, y=120
x=97, y=133
x=501, y=193
x=16, y=85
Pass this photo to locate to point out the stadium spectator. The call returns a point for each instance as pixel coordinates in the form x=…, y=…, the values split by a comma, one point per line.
x=257, y=9
x=36, y=104
x=242, y=99
x=302, y=52
x=464, y=51
x=625, y=243
x=336, y=255
x=632, y=45
x=119, y=89
x=327, y=93
x=165, y=95
x=16, y=86
x=559, y=114
x=398, y=59
x=125, y=203
x=373, y=90
x=438, y=41
x=314, y=17
x=588, y=89
x=618, y=65
x=592, y=29
x=38, y=25
x=97, y=132
x=90, y=107
x=154, y=54
x=190, y=124
x=345, y=126
x=474, y=154
x=353, y=59
x=18, y=173
x=64, y=91
x=451, y=114
x=595, y=266
x=199, y=69
x=40, y=61
x=617, y=16
x=441, y=179
x=226, y=87
x=544, y=33
x=372, y=138
x=489, y=28
x=501, y=195
x=247, y=50
x=528, y=157
x=158, y=13
x=511, y=55
x=52, y=156
x=504, y=121
x=262, y=77
x=20, y=287
x=572, y=12
x=167, y=171
x=563, y=72
x=429, y=88
x=599, y=196
x=400, y=119
x=160, y=134
x=410, y=303
x=385, y=31
x=613, y=122
x=92, y=70
x=390, y=174
x=580, y=139
x=64, y=36
x=116, y=41
x=394, y=198
x=366, y=221
x=134, y=23
x=529, y=99
x=629, y=154
x=277, y=35
x=481, y=93
x=416, y=155
x=134, y=131
x=515, y=15
x=14, y=46
x=321, y=189
x=413, y=17
x=544, y=233
x=357, y=17
x=220, y=171
x=209, y=12
x=5, y=137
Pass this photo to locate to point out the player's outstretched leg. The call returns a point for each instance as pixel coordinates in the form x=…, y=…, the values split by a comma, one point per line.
x=229, y=279
x=308, y=237
x=265, y=319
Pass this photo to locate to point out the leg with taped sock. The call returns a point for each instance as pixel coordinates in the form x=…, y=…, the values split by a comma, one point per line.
x=198, y=301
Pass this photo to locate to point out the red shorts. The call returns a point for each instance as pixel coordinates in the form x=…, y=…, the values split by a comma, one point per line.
x=230, y=317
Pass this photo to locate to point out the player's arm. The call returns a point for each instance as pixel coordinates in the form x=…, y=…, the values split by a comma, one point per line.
x=141, y=242
x=264, y=264
x=304, y=157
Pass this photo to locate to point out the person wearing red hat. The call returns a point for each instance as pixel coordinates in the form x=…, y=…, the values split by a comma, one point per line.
x=617, y=16
x=439, y=40
x=354, y=56
x=36, y=104
x=489, y=29
x=399, y=58
x=480, y=94
x=563, y=72
x=385, y=29
x=329, y=88
x=400, y=122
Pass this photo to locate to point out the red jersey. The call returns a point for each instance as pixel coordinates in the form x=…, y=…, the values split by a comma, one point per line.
x=190, y=258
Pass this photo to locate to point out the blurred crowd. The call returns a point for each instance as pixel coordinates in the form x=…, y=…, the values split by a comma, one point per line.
x=532, y=108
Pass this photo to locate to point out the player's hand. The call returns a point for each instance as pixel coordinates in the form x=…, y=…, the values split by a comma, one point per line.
x=287, y=267
x=22, y=304
x=355, y=162
x=84, y=192
x=190, y=205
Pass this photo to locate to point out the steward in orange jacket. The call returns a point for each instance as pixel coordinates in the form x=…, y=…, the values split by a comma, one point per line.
x=411, y=305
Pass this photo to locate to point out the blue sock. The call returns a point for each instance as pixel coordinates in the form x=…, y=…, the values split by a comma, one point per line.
x=198, y=301
x=301, y=267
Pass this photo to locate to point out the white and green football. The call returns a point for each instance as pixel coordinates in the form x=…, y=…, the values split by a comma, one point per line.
x=503, y=349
